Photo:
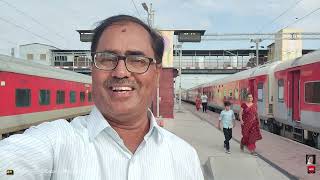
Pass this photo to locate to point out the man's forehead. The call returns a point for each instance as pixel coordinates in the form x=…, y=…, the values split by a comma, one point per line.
x=125, y=26
x=136, y=32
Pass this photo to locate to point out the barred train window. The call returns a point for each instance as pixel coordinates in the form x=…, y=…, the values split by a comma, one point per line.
x=82, y=96
x=90, y=96
x=243, y=94
x=23, y=97
x=260, y=91
x=60, y=97
x=236, y=94
x=72, y=96
x=280, y=90
x=230, y=94
x=44, y=97
x=312, y=94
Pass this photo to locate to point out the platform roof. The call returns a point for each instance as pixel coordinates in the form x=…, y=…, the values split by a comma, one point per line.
x=177, y=32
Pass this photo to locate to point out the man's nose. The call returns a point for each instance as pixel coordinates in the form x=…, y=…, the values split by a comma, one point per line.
x=120, y=71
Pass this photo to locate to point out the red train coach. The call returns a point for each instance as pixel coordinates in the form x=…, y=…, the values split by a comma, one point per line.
x=32, y=93
x=287, y=94
x=297, y=93
x=235, y=88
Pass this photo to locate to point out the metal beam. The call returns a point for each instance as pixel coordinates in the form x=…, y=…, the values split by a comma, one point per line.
x=210, y=71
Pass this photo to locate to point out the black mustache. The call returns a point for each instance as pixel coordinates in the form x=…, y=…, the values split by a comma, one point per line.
x=121, y=82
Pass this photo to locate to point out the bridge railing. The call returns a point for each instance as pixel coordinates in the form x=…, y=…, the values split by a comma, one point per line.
x=219, y=64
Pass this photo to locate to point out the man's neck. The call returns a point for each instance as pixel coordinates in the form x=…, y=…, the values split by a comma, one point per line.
x=132, y=132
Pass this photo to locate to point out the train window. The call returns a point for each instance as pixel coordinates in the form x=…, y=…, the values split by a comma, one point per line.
x=82, y=96
x=236, y=94
x=230, y=93
x=60, y=97
x=243, y=94
x=90, y=96
x=311, y=92
x=23, y=97
x=260, y=91
x=72, y=96
x=44, y=97
x=280, y=90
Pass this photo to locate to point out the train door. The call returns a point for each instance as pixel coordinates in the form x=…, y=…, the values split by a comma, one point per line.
x=294, y=95
x=260, y=99
x=252, y=89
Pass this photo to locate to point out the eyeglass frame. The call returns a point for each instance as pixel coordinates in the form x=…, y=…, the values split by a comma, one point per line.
x=124, y=58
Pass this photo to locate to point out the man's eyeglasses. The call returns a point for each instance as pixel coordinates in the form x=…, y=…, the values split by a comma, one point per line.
x=134, y=63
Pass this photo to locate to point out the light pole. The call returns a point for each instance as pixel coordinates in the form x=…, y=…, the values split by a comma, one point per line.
x=179, y=46
x=257, y=41
x=151, y=24
x=150, y=14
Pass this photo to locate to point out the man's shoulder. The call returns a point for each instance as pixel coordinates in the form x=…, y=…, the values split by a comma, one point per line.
x=64, y=124
x=58, y=127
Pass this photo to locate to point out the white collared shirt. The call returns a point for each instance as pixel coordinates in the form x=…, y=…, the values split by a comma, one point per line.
x=88, y=148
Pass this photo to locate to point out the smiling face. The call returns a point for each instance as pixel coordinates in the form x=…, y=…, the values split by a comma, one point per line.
x=120, y=94
x=250, y=98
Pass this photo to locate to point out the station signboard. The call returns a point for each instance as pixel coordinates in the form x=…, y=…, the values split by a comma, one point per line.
x=86, y=37
x=189, y=37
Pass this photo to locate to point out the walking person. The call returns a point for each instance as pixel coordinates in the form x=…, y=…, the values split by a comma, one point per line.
x=198, y=102
x=250, y=124
x=227, y=119
x=204, y=100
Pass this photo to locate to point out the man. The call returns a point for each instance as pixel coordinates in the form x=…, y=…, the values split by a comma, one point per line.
x=204, y=100
x=120, y=139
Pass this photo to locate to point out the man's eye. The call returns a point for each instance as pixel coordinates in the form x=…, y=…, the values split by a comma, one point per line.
x=141, y=60
x=106, y=60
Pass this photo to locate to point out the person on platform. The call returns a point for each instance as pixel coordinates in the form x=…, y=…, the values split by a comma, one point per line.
x=227, y=119
x=204, y=101
x=250, y=125
x=120, y=138
x=198, y=102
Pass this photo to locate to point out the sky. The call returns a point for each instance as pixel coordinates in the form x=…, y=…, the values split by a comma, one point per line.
x=55, y=22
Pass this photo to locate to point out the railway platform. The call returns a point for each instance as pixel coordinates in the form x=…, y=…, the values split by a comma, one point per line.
x=278, y=157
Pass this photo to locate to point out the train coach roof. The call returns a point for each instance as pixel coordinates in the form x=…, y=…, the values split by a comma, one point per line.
x=261, y=70
x=309, y=58
x=21, y=66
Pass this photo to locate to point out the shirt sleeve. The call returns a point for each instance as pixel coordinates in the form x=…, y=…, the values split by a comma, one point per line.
x=29, y=155
x=233, y=117
x=220, y=117
x=198, y=172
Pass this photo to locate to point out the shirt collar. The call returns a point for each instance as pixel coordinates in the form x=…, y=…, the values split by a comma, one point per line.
x=97, y=123
x=154, y=130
